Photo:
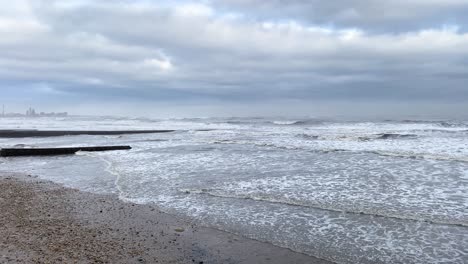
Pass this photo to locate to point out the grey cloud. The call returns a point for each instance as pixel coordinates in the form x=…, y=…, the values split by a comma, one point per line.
x=372, y=15
x=148, y=51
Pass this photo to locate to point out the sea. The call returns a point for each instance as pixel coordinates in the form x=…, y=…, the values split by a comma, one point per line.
x=347, y=191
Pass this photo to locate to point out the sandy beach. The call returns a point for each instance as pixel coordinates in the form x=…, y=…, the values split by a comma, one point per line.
x=43, y=222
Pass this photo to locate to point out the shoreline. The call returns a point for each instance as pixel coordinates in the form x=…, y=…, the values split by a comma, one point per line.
x=44, y=222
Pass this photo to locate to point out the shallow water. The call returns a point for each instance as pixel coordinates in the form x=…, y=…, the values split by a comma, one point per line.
x=367, y=192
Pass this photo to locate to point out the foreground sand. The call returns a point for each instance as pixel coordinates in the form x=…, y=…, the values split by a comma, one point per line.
x=43, y=222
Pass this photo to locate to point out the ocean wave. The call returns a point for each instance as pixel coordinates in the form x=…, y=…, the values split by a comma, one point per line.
x=149, y=140
x=381, y=136
x=428, y=156
x=399, y=154
x=297, y=122
x=307, y=136
x=407, y=155
x=449, y=131
x=224, y=141
x=235, y=122
x=336, y=208
x=395, y=136
x=285, y=122
x=452, y=124
x=441, y=123
x=259, y=122
x=23, y=146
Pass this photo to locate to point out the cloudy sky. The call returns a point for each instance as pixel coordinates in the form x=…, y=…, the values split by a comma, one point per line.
x=235, y=57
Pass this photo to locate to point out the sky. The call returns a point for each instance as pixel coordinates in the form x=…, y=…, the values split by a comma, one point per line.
x=235, y=57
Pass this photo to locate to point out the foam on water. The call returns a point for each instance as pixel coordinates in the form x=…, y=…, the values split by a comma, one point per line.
x=350, y=192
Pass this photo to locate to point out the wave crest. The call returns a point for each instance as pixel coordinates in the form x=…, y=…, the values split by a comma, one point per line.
x=395, y=136
x=323, y=206
x=302, y=122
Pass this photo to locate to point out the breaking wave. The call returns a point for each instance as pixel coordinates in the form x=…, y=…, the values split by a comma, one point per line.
x=381, y=136
x=399, y=154
x=448, y=124
x=444, y=131
x=437, y=219
x=308, y=136
x=395, y=136
x=303, y=122
x=285, y=122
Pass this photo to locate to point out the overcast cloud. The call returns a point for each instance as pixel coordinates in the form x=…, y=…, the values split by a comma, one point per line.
x=218, y=57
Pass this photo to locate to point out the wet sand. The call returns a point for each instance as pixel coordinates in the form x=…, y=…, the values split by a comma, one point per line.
x=43, y=222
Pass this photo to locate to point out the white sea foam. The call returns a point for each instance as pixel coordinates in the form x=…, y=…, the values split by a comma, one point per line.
x=285, y=122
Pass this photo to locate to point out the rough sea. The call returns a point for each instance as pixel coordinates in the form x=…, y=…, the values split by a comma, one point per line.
x=389, y=191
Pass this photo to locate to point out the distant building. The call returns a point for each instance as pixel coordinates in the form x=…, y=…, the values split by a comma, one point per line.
x=31, y=112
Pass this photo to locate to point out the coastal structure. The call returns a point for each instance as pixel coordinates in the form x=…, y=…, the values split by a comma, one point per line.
x=31, y=112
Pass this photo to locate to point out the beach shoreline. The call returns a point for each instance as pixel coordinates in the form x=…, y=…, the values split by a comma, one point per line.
x=44, y=222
